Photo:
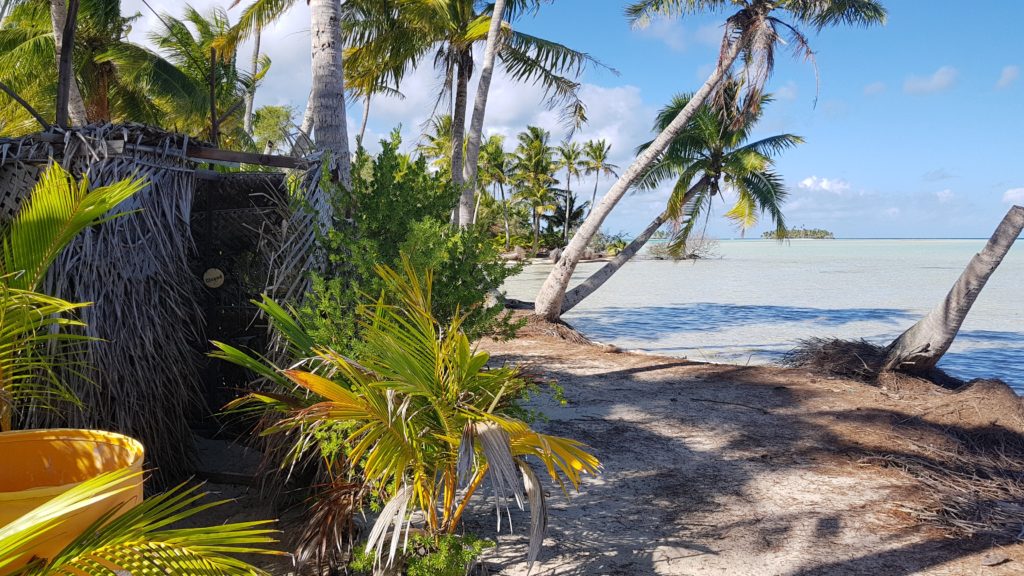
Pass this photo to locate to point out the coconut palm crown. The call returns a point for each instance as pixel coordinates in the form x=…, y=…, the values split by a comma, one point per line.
x=712, y=154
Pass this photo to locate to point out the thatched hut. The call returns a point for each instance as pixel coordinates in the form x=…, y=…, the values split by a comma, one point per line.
x=144, y=273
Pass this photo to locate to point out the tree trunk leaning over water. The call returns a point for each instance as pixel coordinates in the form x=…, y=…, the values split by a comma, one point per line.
x=75, y=103
x=476, y=124
x=463, y=215
x=549, y=299
x=597, y=279
x=921, y=347
x=328, y=97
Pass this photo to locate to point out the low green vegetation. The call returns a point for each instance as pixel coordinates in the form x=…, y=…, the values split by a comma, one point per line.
x=398, y=205
x=415, y=419
x=803, y=233
x=448, y=555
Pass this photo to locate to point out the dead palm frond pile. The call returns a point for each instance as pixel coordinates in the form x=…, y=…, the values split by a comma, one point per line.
x=142, y=374
x=972, y=482
x=856, y=359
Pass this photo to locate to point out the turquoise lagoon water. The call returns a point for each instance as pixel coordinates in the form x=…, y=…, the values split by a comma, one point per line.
x=761, y=297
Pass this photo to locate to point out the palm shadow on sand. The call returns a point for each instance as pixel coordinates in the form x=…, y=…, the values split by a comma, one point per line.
x=660, y=499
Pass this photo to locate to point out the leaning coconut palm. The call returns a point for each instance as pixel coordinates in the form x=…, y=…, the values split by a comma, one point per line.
x=138, y=540
x=30, y=323
x=710, y=155
x=919, y=349
x=377, y=69
x=751, y=35
x=191, y=53
x=476, y=123
x=596, y=162
x=426, y=423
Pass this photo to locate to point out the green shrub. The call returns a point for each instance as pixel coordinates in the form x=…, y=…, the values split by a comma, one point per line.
x=467, y=266
x=446, y=555
x=397, y=204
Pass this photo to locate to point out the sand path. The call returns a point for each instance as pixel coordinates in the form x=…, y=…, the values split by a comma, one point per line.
x=715, y=469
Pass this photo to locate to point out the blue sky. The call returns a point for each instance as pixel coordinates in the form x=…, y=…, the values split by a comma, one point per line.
x=914, y=130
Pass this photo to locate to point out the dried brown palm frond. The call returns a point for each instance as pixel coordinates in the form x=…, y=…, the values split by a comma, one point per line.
x=972, y=487
x=857, y=359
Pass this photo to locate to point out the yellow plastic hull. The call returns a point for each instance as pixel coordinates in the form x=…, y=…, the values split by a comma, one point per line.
x=37, y=465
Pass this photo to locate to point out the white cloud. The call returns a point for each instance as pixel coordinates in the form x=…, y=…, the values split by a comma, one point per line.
x=669, y=32
x=787, y=92
x=944, y=196
x=874, y=89
x=673, y=34
x=1014, y=196
x=835, y=186
x=940, y=80
x=892, y=212
x=1008, y=76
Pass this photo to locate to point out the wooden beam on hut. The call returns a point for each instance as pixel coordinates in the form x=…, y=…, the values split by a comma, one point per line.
x=218, y=155
x=193, y=151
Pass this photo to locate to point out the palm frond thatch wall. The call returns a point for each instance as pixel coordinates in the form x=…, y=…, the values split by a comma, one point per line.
x=135, y=270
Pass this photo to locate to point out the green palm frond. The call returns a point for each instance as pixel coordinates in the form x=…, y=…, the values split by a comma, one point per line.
x=256, y=16
x=820, y=13
x=33, y=327
x=57, y=209
x=424, y=415
x=774, y=145
x=135, y=540
x=33, y=341
x=640, y=14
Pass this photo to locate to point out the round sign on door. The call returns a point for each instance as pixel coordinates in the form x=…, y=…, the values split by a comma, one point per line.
x=213, y=278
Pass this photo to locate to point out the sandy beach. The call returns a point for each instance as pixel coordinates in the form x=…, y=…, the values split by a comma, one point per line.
x=719, y=469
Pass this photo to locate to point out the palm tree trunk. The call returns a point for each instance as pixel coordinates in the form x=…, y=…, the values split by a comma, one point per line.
x=921, y=347
x=476, y=124
x=250, y=94
x=536, y=232
x=476, y=207
x=504, y=209
x=597, y=279
x=328, y=98
x=464, y=213
x=593, y=196
x=303, y=143
x=568, y=206
x=549, y=299
x=66, y=75
x=366, y=115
